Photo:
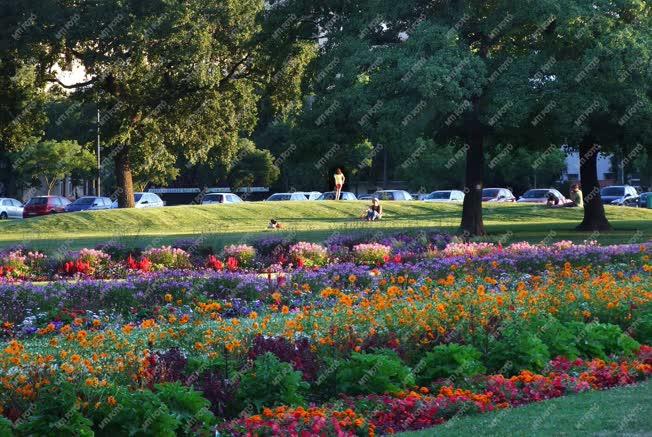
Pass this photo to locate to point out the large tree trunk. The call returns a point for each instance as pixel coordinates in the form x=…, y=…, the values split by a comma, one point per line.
x=125, y=191
x=594, y=217
x=472, y=223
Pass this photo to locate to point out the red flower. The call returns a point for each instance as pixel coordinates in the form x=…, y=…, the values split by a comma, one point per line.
x=397, y=259
x=132, y=263
x=215, y=263
x=145, y=265
x=386, y=258
x=300, y=263
x=232, y=264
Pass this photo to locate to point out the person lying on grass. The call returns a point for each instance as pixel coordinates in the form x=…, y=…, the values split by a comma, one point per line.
x=375, y=211
x=273, y=224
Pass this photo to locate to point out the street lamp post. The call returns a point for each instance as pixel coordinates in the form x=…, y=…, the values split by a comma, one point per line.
x=99, y=162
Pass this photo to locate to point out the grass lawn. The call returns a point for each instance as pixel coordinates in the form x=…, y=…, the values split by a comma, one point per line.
x=615, y=412
x=224, y=224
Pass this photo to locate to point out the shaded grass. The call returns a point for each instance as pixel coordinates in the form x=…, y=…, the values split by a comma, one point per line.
x=615, y=412
x=217, y=225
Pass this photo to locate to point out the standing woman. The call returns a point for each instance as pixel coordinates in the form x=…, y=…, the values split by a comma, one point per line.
x=339, y=182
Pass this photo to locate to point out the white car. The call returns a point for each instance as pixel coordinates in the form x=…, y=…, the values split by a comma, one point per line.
x=10, y=209
x=310, y=195
x=216, y=198
x=286, y=196
x=392, y=195
x=144, y=200
x=445, y=196
x=540, y=195
x=330, y=195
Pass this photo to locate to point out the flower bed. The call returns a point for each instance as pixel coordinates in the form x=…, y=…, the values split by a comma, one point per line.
x=343, y=349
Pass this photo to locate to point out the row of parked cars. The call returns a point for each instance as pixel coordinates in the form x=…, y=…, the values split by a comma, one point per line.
x=46, y=205
x=624, y=195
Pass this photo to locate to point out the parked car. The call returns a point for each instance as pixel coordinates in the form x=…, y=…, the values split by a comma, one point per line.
x=286, y=196
x=642, y=199
x=445, y=196
x=44, y=205
x=497, y=195
x=330, y=195
x=419, y=196
x=617, y=194
x=144, y=200
x=89, y=203
x=540, y=195
x=365, y=197
x=213, y=198
x=10, y=209
x=310, y=195
x=392, y=195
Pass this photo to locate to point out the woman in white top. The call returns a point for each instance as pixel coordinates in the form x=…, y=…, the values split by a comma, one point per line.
x=339, y=182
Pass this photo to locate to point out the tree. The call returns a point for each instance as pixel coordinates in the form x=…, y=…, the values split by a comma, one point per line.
x=453, y=72
x=171, y=79
x=52, y=161
x=253, y=167
x=600, y=84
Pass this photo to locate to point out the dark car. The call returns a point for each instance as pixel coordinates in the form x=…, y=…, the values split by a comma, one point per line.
x=642, y=199
x=44, y=205
x=617, y=194
x=89, y=203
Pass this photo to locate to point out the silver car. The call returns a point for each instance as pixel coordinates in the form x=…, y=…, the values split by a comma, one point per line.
x=286, y=196
x=10, y=209
x=445, y=196
x=217, y=198
x=540, y=195
x=392, y=195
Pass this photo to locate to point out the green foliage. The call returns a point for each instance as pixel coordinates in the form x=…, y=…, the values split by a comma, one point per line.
x=516, y=348
x=559, y=339
x=381, y=371
x=6, y=427
x=53, y=160
x=137, y=413
x=271, y=382
x=642, y=328
x=189, y=407
x=450, y=360
x=603, y=339
x=253, y=167
x=56, y=412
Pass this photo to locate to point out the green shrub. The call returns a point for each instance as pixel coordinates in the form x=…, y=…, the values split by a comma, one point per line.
x=6, y=427
x=557, y=337
x=641, y=328
x=517, y=348
x=378, y=372
x=599, y=340
x=271, y=382
x=450, y=360
x=55, y=413
x=189, y=407
x=135, y=413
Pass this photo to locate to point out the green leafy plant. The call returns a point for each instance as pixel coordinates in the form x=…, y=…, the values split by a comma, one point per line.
x=56, y=413
x=559, y=339
x=189, y=407
x=378, y=372
x=599, y=340
x=450, y=360
x=271, y=382
x=516, y=348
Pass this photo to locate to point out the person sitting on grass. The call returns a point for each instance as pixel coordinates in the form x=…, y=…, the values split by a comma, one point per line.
x=273, y=224
x=576, y=197
x=375, y=211
x=552, y=200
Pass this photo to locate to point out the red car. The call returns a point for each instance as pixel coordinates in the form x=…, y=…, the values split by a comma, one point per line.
x=44, y=205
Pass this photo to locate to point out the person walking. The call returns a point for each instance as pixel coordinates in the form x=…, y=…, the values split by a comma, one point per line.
x=339, y=182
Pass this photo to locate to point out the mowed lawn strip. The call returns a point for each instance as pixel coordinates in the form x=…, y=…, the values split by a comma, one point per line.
x=614, y=412
x=312, y=221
